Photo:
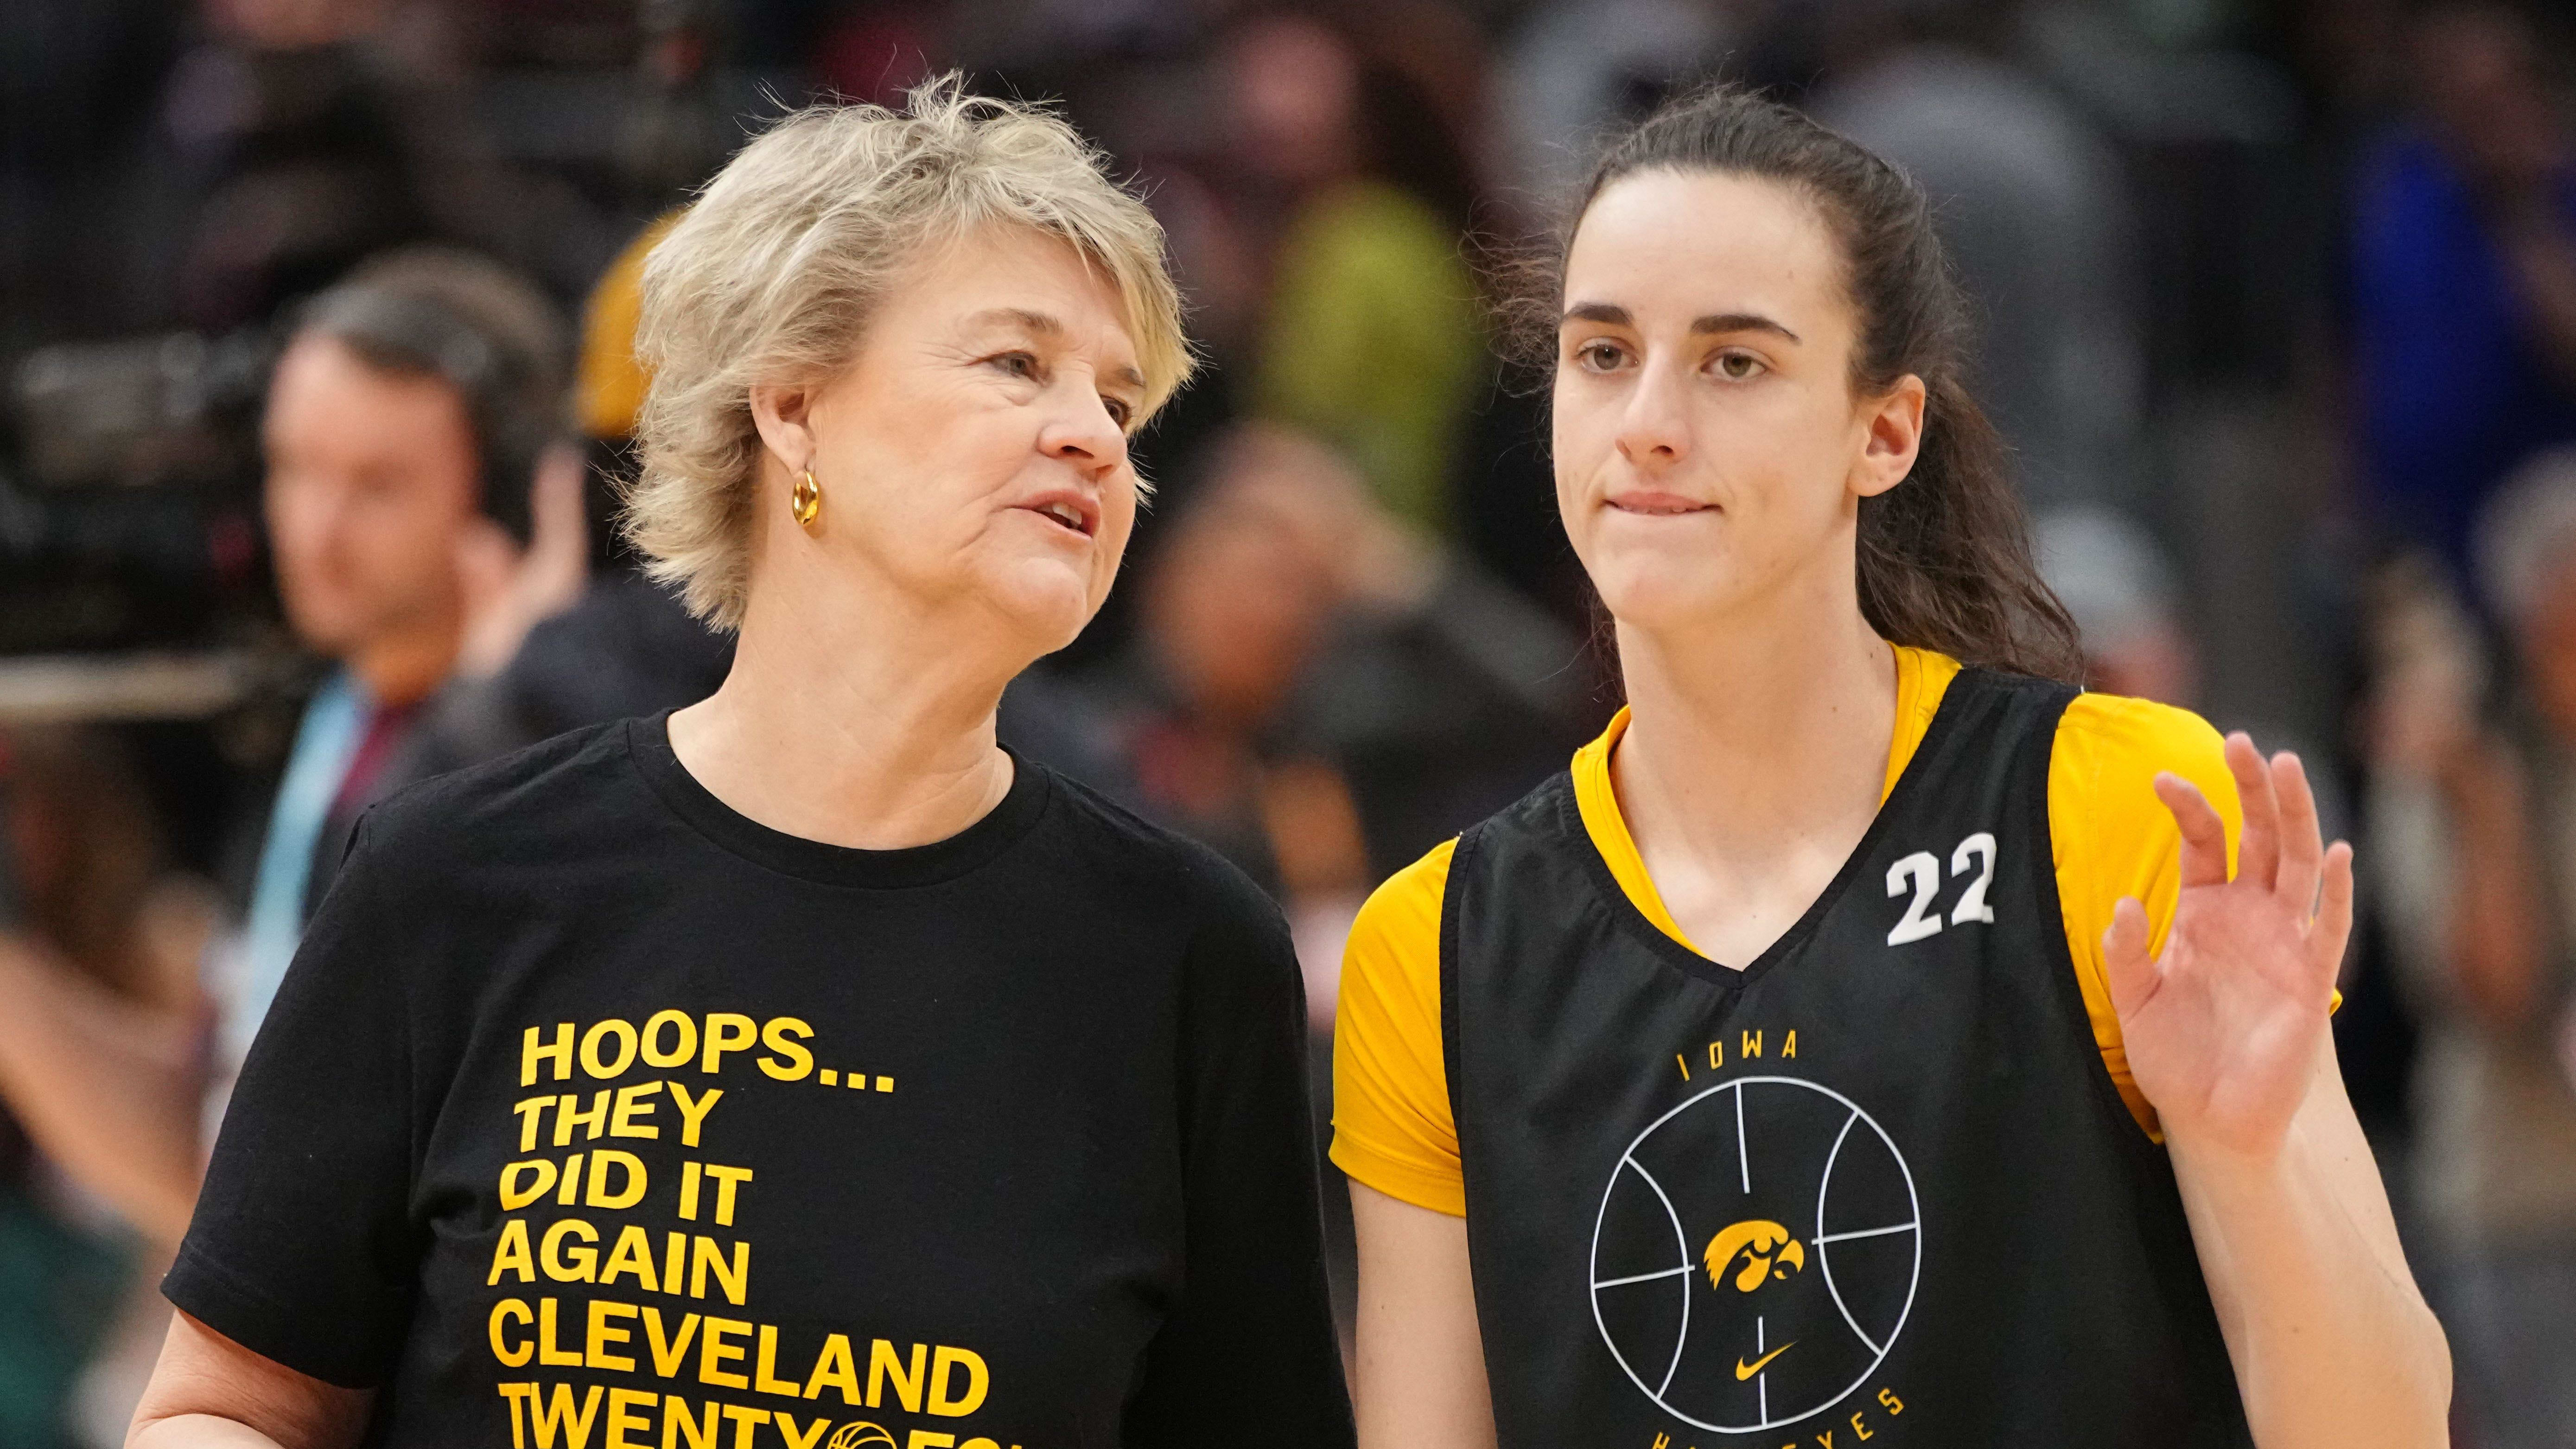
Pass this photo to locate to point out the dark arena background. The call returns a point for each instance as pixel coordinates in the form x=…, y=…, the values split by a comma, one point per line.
x=2277, y=311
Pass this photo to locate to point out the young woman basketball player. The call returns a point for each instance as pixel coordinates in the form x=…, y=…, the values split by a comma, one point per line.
x=1868, y=1035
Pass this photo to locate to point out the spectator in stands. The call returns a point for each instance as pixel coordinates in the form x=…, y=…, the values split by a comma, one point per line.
x=2473, y=820
x=2114, y=580
x=1238, y=600
x=98, y=956
x=1316, y=690
x=1370, y=339
x=2464, y=279
x=291, y=140
x=2034, y=215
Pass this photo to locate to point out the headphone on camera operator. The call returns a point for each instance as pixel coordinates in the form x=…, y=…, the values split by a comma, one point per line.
x=450, y=314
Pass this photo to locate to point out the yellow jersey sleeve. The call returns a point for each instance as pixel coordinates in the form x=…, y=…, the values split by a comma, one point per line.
x=2113, y=838
x=1392, y=1127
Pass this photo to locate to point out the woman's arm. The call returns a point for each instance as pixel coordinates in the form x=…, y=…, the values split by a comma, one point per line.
x=208, y=1392
x=2331, y=1341
x=303, y=1253
x=107, y=1087
x=2229, y=1038
x=1419, y=1382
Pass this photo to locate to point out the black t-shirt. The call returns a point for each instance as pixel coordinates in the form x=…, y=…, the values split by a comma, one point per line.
x=593, y=1114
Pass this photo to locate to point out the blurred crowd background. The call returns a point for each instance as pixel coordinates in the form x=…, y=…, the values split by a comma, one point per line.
x=2279, y=308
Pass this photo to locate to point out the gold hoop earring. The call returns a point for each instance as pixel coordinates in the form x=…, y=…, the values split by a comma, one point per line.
x=805, y=501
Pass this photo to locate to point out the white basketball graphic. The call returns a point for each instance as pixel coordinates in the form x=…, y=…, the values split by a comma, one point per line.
x=1756, y=1254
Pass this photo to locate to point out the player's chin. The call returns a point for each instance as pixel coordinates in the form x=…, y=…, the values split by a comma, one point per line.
x=1657, y=589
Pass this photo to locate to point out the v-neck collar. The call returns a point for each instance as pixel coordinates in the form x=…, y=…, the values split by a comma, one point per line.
x=1923, y=680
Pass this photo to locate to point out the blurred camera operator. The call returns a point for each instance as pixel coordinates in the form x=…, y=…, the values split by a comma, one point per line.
x=411, y=413
x=423, y=516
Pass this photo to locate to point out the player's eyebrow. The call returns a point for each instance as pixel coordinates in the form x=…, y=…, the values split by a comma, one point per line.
x=1739, y=322
x=1611, y=314
x=1608, y=314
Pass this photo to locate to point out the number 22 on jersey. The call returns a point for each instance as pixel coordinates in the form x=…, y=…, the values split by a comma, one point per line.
x=1921, y=873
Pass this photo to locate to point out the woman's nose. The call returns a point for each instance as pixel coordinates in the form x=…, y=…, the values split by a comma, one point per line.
x=1654, y=429
x=1084, y=434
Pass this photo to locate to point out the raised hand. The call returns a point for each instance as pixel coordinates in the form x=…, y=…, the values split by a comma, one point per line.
x=509, y=590
x=2223, y=1033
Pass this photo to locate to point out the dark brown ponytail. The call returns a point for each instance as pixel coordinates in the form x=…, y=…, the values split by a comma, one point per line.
x=1944, y=557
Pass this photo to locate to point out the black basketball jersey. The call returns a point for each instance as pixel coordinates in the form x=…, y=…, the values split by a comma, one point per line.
x=1877, y=1186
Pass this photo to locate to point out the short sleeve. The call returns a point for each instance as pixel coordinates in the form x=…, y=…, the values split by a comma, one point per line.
x=2113, y=838
x=302, y=1248
x=1392, y=1125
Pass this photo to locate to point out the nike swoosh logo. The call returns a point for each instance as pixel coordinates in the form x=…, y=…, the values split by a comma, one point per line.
x=1745, y=1370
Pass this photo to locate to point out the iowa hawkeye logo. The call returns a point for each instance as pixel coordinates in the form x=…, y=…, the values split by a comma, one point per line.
x=1756, y=1254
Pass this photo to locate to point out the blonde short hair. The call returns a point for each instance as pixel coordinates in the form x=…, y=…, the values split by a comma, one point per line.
x=772, y=274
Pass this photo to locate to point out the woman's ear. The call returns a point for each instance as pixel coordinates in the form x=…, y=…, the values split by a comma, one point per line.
x=1894, y=435
x=781, y=414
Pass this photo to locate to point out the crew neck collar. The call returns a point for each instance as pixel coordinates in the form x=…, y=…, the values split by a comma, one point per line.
x=648, y=742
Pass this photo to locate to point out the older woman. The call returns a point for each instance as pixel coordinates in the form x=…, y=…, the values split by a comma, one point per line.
x=802, y=1068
